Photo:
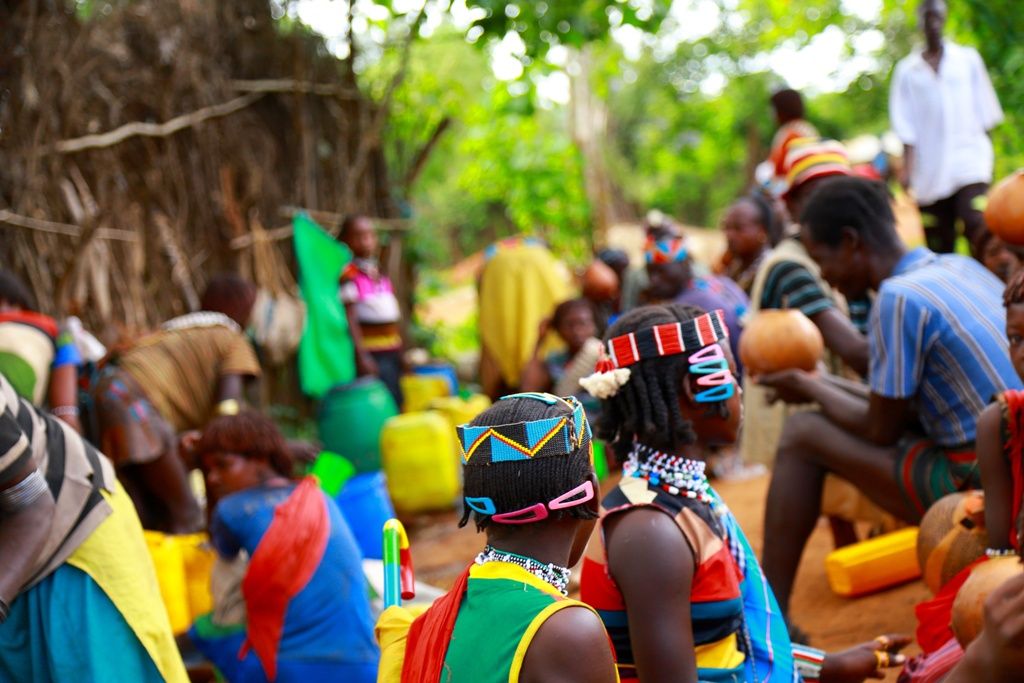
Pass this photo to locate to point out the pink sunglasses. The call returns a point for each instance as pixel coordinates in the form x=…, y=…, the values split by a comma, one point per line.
x=539, y=511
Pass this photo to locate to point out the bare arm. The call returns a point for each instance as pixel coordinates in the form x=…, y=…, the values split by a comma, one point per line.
x=570, y=647
x=23, y=534
x=843, y=339
x=365, y=365
x=653, y=565
x=909, y=158
x=995, y=477
x=63, y=393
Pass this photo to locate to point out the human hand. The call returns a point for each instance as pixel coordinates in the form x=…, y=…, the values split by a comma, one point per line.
x=790, y=386
x=998, y=653
x=187, y=442
x=366, y=365
x=867, y=660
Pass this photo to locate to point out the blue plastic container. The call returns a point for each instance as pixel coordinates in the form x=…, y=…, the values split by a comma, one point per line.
x=446, y=371
x=366, y=505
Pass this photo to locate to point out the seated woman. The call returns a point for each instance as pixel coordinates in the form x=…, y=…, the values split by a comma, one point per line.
x=669, y=570
x=301, y=612
x=560, y=372
x=38, y=357
x=530, y=485
x=751, y=229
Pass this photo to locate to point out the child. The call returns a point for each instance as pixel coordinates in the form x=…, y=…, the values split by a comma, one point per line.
x=1000, y=440
x=560, y=372
x=374, y=316
x=669, y=570
x=301, y=611
x=530, y=486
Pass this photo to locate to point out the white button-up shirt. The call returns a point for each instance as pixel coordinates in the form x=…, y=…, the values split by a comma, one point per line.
x=946, y=116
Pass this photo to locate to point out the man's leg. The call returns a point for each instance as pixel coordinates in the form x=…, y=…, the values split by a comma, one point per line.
x=810, y=447
x=968, y=210
x=939, y=220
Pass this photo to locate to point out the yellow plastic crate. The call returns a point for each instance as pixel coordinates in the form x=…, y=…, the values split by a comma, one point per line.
x=875, y=564
x=416, y=452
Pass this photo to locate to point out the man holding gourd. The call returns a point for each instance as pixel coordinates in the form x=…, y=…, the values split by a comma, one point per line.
x=937, y=353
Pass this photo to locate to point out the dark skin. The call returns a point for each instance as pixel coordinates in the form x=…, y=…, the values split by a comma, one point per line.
x=999, y=259
x=852, y=436
x=745, y=236
x=646, y=548
x=361, y=238
x=575, y=328
x=839, y=334
x=932, y=17
x=667, y=280
x=554, y=653
x=996, y=476
x=22, y=536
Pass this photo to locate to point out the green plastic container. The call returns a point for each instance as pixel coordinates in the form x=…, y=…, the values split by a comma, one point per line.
x=333, y=471
x=350, y=420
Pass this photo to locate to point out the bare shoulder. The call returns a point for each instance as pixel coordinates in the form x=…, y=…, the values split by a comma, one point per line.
x=571, y=646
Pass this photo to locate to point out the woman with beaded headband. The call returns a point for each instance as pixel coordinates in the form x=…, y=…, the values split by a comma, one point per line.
x=668, y=569
x=529, y=484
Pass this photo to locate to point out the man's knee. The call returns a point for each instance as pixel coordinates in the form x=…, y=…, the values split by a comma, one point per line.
x=798, y=432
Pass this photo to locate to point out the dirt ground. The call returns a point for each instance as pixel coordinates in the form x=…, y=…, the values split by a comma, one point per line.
x=441, y=551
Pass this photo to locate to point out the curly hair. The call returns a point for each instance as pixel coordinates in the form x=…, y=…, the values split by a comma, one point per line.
x=15, y=293
x=249, y=434
x=517, y=484
x=850, y=202
x=230, y=294
x=1014, y=292
x=646, y=409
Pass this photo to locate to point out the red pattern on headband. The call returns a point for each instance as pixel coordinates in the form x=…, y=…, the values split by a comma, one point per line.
x=668, y=339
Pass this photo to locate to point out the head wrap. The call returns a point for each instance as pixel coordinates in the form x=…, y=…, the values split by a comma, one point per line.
x=667, y=250
x=809, y=158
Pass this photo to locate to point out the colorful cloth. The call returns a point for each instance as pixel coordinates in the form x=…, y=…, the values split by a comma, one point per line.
x=810, y=158
x=668, y=250
x=372, y=296
x=713, y=292
x=132, y=431
x=787, y=132
x=326, y=352
x=933, y=667
x=519, y=287
x=926, y=472
x=94, y=574
x=938, y=336
x=790, y=285
x=737, y=625
x=179, y=369
x=31, y=345
x=327, y=623
x=523, y=602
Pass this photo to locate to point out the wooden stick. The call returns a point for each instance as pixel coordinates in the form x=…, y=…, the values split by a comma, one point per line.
x=267, y=85
x=154, y=130
x=325, y=218
x=53, y=228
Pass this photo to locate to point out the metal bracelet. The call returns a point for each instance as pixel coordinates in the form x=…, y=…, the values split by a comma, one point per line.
x=65, y=411
x=23, y=494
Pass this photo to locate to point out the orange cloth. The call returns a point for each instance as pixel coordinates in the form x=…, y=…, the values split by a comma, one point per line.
x=427, y=643
x=282, y=565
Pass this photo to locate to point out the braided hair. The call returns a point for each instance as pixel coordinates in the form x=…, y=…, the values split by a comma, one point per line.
x=517, y=484
x=769, y=221
x=646, y=408
x=1014, y=292
x=850, y=202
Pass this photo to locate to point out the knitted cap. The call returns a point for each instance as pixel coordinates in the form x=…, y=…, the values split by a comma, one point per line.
x=809, y=158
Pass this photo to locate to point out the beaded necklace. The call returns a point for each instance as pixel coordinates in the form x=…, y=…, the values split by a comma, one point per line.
x=672, y=473
x=548, y=573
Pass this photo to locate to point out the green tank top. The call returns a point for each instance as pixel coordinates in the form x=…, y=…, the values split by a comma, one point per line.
x=502, y=610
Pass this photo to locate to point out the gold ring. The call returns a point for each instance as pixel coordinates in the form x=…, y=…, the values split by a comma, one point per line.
x=884, y=641
x=882, y=657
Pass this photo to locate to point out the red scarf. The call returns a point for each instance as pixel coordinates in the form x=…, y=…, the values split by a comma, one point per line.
x=934, y=616
x=281, y=566
x=427, y=643
x=1015, y=453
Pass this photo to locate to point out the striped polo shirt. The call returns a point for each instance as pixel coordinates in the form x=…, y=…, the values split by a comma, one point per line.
x=937, y=336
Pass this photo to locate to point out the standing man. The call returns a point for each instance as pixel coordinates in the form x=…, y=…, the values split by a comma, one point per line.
x=942, y=107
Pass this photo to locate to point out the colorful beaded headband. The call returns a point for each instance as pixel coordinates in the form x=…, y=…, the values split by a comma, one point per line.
x=612, y=371
x=526, y=440
x=549, y=437
x=668, y=250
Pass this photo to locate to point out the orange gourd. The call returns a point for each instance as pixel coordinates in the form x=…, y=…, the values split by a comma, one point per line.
x=951, y=536
x=1004, y=213
x=600, y=283
x=777, y=340
x=969, y=604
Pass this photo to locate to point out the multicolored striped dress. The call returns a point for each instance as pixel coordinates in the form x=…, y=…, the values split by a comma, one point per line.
x=503, y=609
x=716, y=600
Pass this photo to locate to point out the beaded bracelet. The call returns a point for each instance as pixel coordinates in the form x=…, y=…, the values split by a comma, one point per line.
x=1000, y=552
x=809, y=661
x=65, y=411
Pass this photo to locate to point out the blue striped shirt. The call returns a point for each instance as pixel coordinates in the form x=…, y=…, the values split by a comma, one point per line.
x=937, y=335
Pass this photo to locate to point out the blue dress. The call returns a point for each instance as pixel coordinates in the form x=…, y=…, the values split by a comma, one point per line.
x=328, y=630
